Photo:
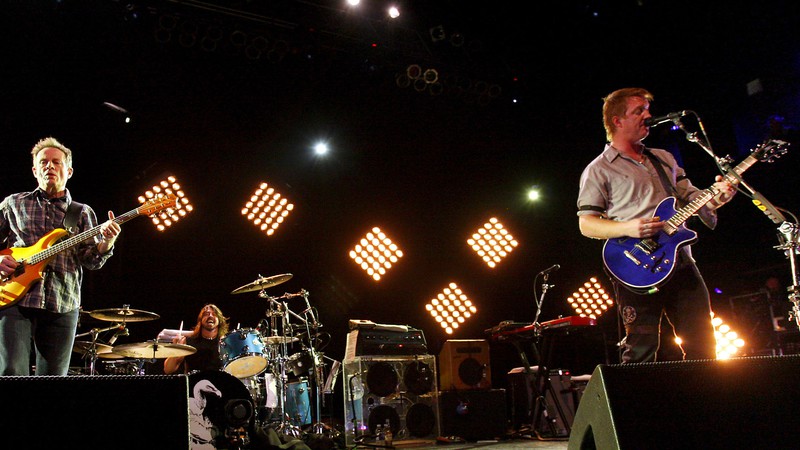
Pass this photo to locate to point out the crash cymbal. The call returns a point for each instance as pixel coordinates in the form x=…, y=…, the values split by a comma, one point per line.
x=123, y=314
x=280, y=339
x=263, y=283
x=84, y=347
x=152, y=349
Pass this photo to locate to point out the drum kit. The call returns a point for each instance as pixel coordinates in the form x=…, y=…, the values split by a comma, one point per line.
x=113, y=357
x=279, y=378
x=262, y=357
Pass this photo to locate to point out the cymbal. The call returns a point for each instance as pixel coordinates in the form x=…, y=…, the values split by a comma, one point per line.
x=153, y=350
x=263, y=283
x=280, y=339
x=110, y=355
x=84, y=347
x=123, y=314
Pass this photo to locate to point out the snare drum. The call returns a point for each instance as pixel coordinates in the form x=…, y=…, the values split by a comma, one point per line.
x=242, y=353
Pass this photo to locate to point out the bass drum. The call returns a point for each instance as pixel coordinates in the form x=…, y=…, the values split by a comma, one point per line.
x=220, y=409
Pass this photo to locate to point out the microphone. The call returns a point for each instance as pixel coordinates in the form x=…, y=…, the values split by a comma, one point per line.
x=550, y=269
x=653, y=121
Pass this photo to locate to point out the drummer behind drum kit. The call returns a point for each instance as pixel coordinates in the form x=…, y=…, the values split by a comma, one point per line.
x=259, y=358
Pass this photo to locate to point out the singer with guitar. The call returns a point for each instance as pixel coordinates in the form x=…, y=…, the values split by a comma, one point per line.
x=619, y=192
x=45, y=315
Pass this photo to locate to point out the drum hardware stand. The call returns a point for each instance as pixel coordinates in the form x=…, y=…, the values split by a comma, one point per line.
x=281, y=309
x=94, y=332
x=318, y=428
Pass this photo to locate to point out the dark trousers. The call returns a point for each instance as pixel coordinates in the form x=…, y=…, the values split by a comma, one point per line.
x=51, y=335
x=682, y=308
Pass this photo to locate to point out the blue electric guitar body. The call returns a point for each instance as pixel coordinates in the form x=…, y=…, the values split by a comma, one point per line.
x=643, y=265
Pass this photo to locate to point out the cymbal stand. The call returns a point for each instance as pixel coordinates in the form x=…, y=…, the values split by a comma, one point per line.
x=280, y=309
x=94, y=332
x=311, y=322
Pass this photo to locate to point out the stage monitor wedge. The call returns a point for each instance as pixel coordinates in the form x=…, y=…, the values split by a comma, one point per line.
x=741, y=403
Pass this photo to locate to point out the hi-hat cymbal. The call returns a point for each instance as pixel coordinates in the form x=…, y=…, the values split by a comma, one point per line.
x=84, y=347
x=263, y=283
x=280, y=339
x=153, y=350
x=123, y=314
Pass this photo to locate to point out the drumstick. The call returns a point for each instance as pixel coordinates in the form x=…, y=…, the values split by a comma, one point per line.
x=180, y=330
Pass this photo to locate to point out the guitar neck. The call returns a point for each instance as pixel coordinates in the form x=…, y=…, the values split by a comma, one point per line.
x=683, y=214
x=78, y=238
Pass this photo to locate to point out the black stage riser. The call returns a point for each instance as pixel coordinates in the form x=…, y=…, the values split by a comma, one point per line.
x=728, y=404
x=94, y=412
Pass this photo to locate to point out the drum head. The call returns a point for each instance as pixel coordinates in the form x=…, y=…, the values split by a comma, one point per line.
x=218, y=402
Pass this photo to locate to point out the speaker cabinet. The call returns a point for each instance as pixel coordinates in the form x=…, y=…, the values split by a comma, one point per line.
x=103, y=411
x=474, y=415
x=552, y=417
x=708, y=404
x=464, y=364
x=400, y=390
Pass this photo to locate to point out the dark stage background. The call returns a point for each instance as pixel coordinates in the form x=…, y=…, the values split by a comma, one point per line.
x=223, y=110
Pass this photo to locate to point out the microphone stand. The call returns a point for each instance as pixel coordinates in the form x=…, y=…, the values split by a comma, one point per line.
x=542, y=377
x=788, y=236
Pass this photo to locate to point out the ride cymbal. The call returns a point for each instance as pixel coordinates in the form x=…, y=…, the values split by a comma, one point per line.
x=123, y=314
x=153, y=350
x=263, y=283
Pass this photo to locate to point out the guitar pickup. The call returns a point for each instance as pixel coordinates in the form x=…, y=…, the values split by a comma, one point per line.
x=647, y=245
x=632, y=258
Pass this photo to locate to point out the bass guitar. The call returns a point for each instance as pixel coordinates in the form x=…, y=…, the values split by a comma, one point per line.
x=33, y=260
x=643, y=265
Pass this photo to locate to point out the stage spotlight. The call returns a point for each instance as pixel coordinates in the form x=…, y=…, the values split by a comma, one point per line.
x=267, y=209
x=375, y=253
x=451, y=308
x=492, y=242
x=590, y=300
x=170, y=216
x=414, y=71
x=430, y=76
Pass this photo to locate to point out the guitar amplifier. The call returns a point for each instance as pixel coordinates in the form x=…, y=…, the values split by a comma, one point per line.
x=370, y=339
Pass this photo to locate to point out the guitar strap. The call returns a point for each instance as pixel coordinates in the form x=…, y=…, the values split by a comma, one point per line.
x=661, y=173
x=72, y=216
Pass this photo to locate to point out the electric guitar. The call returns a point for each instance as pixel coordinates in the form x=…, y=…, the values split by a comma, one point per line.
x=33, y=260
x=643, y=265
